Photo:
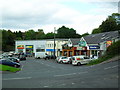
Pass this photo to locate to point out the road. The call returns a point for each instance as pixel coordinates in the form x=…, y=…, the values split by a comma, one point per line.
x=38, y=73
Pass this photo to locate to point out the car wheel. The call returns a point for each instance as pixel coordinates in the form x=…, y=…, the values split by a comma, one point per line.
x=61, y=61
x=79, y=64
x=15, y=66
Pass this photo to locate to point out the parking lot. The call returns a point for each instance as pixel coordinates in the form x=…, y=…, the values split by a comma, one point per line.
x=40, y=73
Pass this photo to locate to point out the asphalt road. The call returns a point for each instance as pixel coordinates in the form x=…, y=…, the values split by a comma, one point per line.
x=38, y=73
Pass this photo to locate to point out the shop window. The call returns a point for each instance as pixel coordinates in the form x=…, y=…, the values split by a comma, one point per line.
x=40, y=50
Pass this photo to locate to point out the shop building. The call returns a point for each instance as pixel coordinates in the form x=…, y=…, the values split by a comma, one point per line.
x=97, y=44
x=58, y=46
x=91, y=45
x=30, y=47
x=70, y=48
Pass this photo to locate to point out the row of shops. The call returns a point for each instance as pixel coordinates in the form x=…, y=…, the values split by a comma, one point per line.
x=91, y=45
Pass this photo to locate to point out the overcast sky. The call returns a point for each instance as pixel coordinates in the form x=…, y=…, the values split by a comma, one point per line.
x=82, y=15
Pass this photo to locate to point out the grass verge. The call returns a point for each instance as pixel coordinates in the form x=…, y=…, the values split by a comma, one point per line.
x=8, y=68
x=101, y=59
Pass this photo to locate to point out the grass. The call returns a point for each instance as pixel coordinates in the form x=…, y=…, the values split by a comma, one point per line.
x=101, y=59
x=8, y=68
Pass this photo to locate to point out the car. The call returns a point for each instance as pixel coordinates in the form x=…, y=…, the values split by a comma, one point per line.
x=79, y=60
x=9, y=63
x=14, y=59
x=50, y=57
x=22, y=57
x=63, y=59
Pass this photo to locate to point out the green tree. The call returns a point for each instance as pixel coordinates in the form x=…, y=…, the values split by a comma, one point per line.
x=40, y=34
x=29, y=35
x=85, y=34
x=96, y=30
x=112, y=23
x=65, y=32
x=49, y=35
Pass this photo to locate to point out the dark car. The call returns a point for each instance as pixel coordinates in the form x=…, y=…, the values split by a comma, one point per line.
x=14, y=59
x=50, y=57
x=9, y=63
x=22, y=57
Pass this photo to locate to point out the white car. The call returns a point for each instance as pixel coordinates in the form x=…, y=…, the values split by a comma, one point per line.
x=78, y=60
x=63, y=59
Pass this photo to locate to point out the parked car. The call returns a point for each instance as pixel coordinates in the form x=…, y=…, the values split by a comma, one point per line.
x=14, y=59
x=9, y=63
x=22, y=57
x=79, y=60
x=63, y=59
x=50, y=57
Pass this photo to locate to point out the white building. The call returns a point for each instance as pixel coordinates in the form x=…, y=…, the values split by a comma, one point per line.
x=30, y=47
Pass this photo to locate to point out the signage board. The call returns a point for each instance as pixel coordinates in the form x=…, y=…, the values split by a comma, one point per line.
x=94, y=47
x=82, y=43
x=29, y=46
x=20, y=46
x=108, y=43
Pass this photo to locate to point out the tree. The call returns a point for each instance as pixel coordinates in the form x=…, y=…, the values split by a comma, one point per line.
x=96, y=30
x=30, y=35
x=40, y=34
x=65, y=32
x=49, y=35
x=112, y=23
x=85, y=34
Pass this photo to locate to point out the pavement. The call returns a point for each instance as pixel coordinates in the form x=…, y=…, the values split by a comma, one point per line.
x=39, y=73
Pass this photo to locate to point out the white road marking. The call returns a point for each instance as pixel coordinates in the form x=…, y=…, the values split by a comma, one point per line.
x=69, y=74
x=64, y=74
x=46, y=86
x=17, y=78
x=73, y=83
x=82, y=72
x=110, y=67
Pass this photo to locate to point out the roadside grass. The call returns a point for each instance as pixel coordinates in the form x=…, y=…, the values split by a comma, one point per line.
x=100, y=60
x=8, y=68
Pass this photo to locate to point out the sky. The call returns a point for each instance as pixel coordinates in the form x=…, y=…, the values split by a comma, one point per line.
x=81, y=15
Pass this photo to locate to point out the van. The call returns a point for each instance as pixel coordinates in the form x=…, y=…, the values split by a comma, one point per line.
x=40, y=55
x=79, y=60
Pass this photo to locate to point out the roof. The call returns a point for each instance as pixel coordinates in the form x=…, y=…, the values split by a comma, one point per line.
x=98, y=38
x=45, y=39
x=75, y=41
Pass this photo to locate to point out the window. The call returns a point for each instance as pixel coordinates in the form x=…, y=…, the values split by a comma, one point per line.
x=40, y=50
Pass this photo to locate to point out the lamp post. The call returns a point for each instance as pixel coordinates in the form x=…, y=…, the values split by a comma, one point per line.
x=54, y=41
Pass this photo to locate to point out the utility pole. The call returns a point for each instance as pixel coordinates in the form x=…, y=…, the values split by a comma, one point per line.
x=54, y=41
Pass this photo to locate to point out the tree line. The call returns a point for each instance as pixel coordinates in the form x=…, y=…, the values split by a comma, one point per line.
x=112, y=23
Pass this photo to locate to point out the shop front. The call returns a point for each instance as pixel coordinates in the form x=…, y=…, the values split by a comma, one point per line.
x=29, y=50
x=94, y=50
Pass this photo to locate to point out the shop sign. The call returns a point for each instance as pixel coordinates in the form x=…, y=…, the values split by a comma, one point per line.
x=94, y=47
x=29, y=46
x=50, y=50
x=79, y=48
x=20, y=46
x=82, y=43
x=108, y=43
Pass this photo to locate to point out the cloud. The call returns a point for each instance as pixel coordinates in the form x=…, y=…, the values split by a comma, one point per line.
x=82, y=15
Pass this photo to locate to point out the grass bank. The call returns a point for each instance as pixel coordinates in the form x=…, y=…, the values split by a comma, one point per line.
x=8, y=68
